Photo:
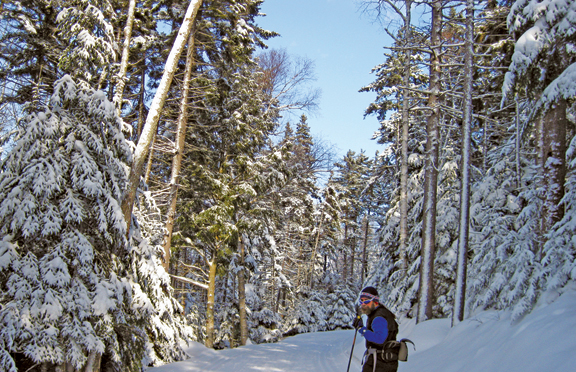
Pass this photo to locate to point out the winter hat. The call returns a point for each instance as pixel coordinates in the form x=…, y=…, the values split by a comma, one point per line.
x=370, y=292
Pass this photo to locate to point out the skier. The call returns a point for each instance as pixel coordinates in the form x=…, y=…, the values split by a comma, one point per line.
x=380, y=328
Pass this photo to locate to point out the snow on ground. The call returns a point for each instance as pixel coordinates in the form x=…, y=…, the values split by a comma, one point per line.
x=544, y=340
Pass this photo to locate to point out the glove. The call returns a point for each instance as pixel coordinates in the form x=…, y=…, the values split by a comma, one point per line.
x=358, y=322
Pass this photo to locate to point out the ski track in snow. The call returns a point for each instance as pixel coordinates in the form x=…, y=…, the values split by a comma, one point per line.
x=311, y=352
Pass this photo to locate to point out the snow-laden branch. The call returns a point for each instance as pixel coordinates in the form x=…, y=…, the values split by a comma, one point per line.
x=563, y=87
x=189, y=281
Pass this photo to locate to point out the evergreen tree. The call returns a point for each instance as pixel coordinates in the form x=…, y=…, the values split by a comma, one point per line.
x=226, y=169
x=29, y=52
x=90, y=50
x=543, y=66
x=61, y=187
x=352, y=181
x=75, y=291
x=308, y=313
x=501, y=252
x=341, y=308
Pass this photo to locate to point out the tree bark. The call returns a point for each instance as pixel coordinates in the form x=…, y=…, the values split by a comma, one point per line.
x=345, y=246
x=404, y=141
x=459, y=298
x=242, y=297
x=118, y=95
x=518, y=142
x=153, y=117
x=352, y=256
x=428, y=245
x=93, y=363
x=404, y=130
x=364, y=248
x=179, y=152
x=553, y=162
x=148, y=169
x=141, y=103
x=210, y=303
x=313, y=257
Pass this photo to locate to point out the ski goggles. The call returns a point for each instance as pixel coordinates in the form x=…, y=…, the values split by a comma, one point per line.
x=366, y=298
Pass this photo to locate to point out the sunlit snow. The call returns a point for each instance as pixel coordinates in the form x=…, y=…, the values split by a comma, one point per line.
x=543, y=341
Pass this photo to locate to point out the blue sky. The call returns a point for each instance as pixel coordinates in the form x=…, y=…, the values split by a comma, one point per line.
x=345, y=45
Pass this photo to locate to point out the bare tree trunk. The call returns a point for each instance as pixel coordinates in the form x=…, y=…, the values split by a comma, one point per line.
x=273, y=289
x=365, y=246
x=553, y=163
x=404, y=141
x=141, y=101
x=179, y=151
x=518, y=134
x=485, y=137
x=153, y=117
x=93, y=363
x=313, y=257
x=148, y=169
x=459, y=298
x=210, y=303
x=345, y=246
x=280, y=289
x=352, y=257
x=118, y=95
x=428, y=246
x=242, y=297
x=404, y=130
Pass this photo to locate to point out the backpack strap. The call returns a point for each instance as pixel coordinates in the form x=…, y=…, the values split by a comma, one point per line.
x=410, y=341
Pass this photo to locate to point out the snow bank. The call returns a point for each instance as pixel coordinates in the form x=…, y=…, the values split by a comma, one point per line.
x=543, y=341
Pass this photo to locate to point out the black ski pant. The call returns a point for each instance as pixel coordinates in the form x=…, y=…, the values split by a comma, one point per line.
x=381, y=366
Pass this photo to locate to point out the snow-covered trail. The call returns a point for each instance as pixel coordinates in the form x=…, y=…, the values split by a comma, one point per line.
x=314, y=352
x=545, y=340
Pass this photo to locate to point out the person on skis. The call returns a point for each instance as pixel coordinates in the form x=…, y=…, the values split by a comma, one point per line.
x=380, y=328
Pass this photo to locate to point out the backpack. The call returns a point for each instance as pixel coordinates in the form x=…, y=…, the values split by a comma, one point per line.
x=396, y=350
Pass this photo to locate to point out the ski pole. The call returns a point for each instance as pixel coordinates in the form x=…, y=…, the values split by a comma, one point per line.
x=352, y=351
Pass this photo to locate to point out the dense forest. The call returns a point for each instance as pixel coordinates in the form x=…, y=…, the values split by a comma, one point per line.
x=156, y=188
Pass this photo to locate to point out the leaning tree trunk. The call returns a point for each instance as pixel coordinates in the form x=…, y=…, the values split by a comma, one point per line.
x=428, y=245
x=458, y=312
x=179, y=152
x=141, y=100
x=118, y=95
x=153, y=117
x=148, y=169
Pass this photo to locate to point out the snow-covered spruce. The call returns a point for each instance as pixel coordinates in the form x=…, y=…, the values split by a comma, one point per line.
x=309, y=314
x=340, y=308
x=74, y=291
x=547, y=32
